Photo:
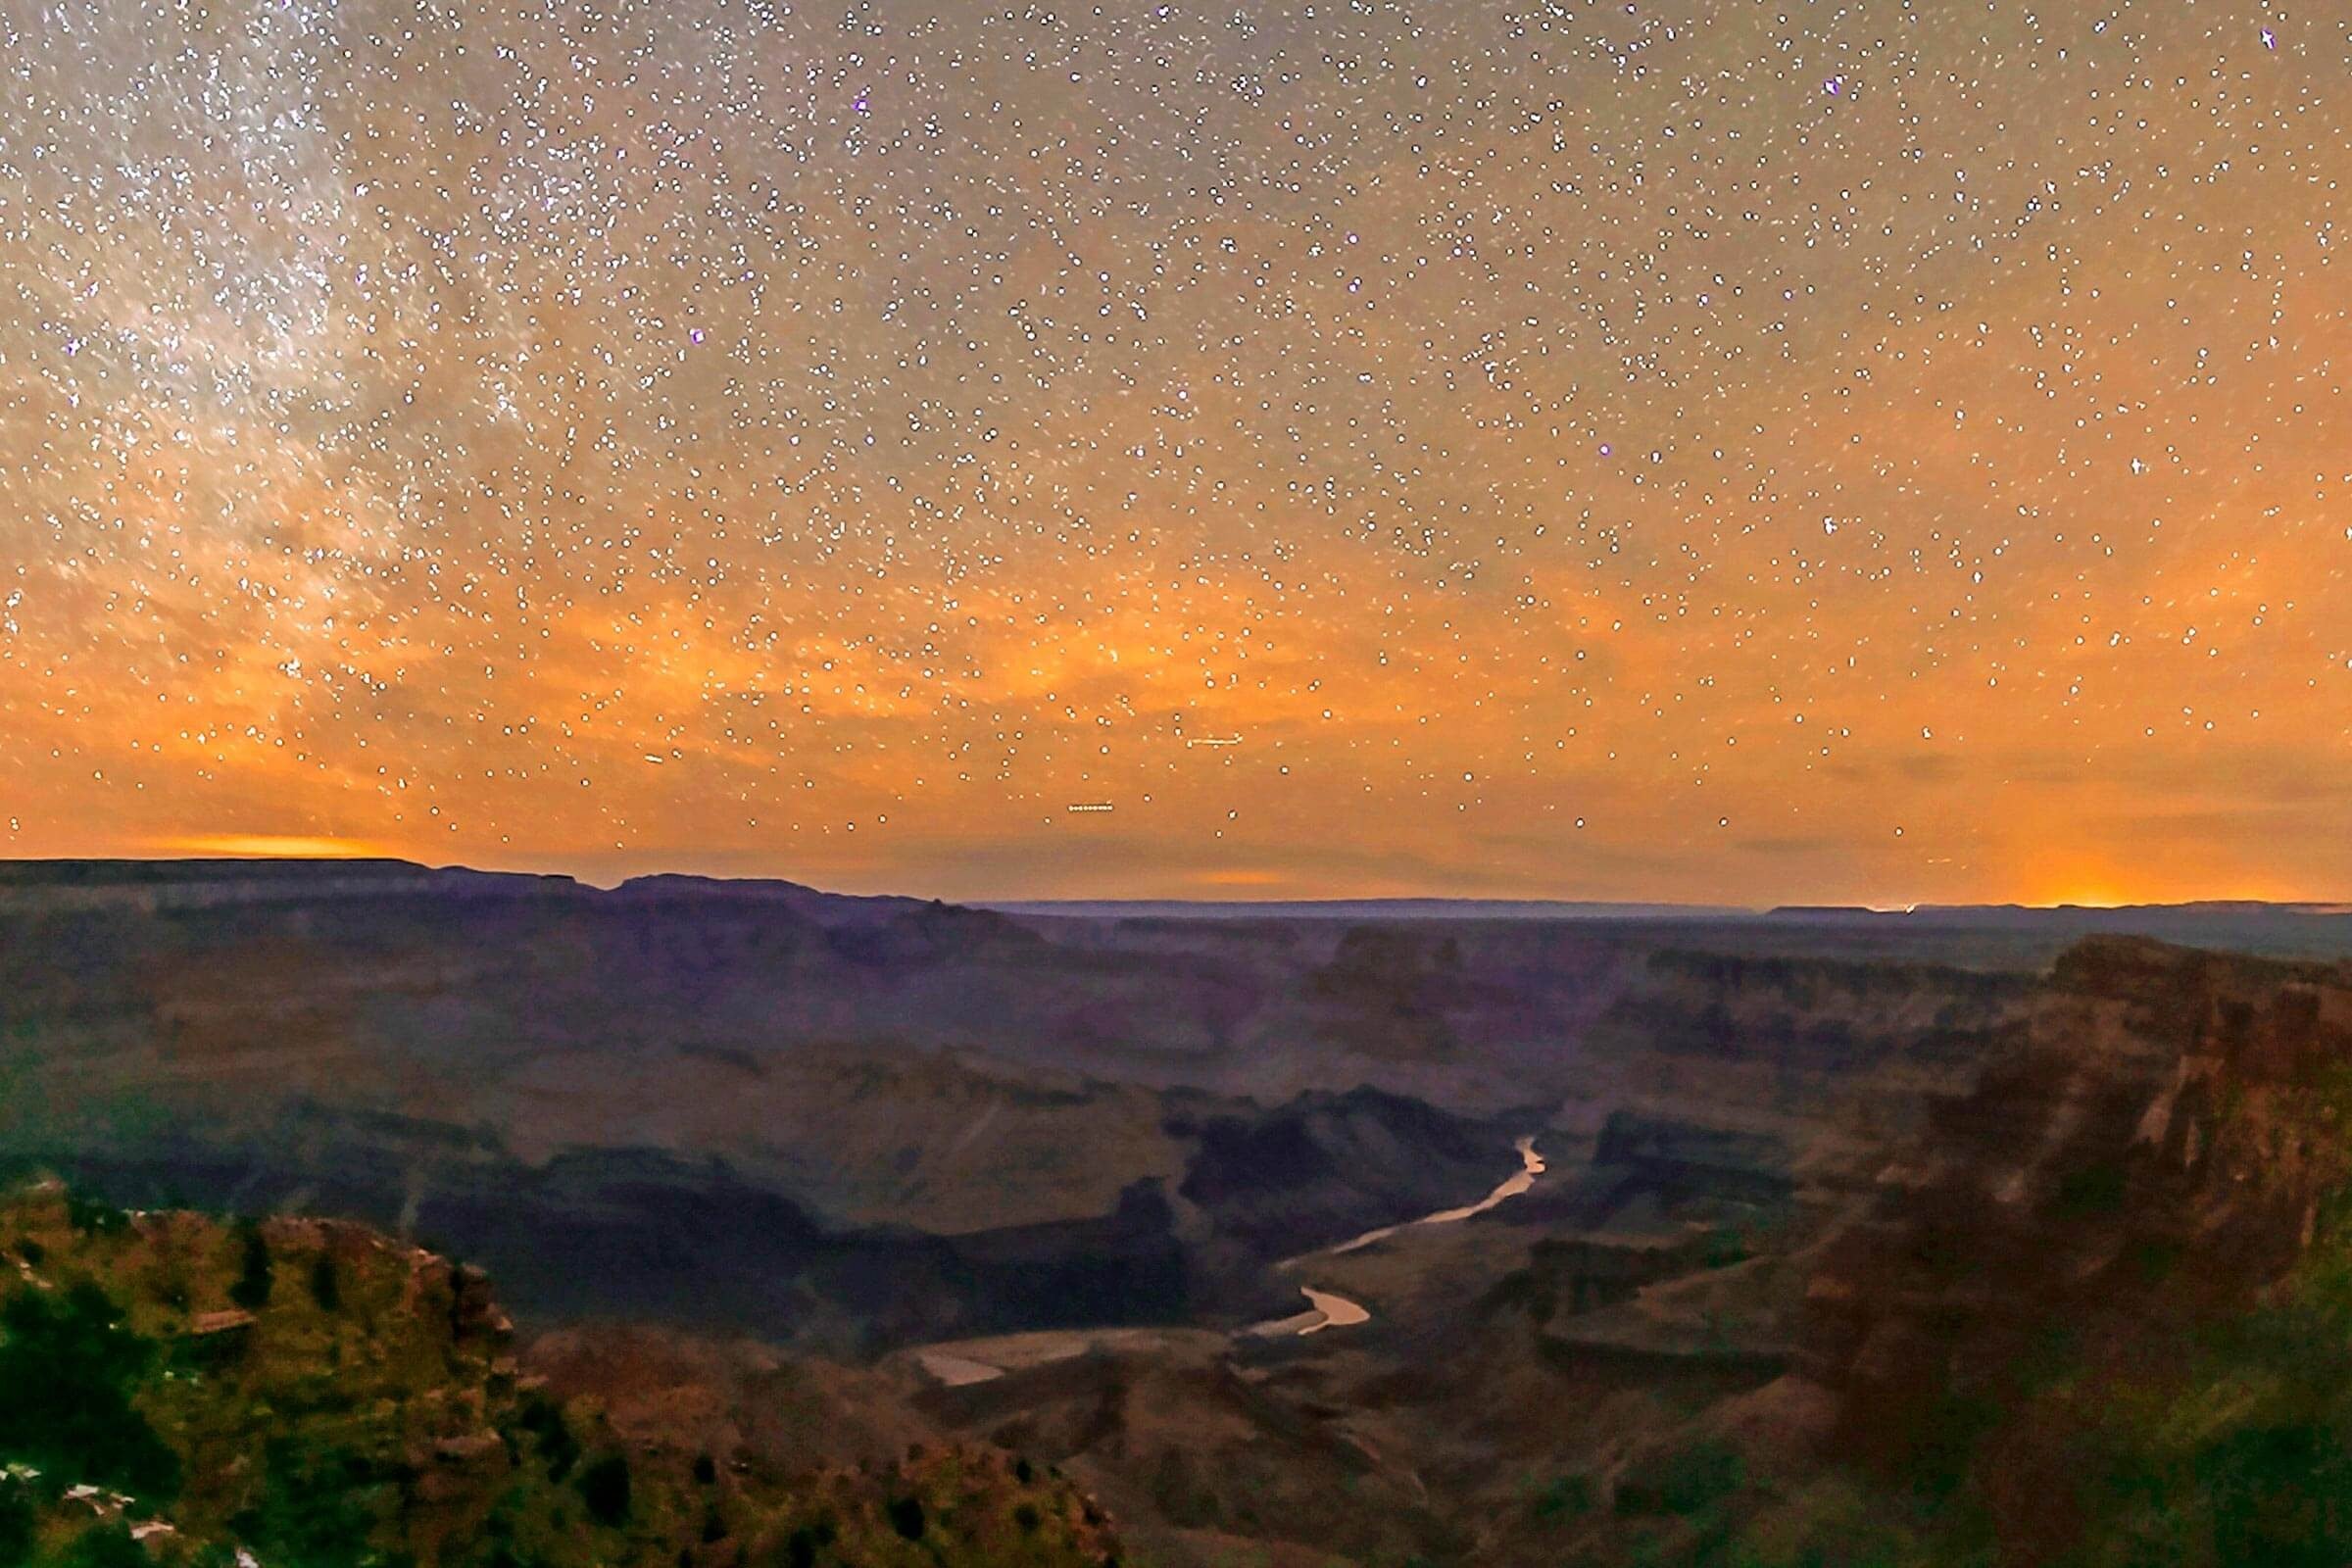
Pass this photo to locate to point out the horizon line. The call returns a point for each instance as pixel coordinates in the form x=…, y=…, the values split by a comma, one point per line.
x=2333, y=907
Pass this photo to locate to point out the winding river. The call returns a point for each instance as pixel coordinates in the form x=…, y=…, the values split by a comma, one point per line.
x=1326, y=1310
x=981, y=1361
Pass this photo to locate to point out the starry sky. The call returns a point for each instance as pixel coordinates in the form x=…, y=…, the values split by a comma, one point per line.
x=1705, y=449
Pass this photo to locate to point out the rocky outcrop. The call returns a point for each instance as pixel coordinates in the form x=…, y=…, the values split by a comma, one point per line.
x=1326, y=1167
x=1570, y=1276
x=1695, y=1159
x=1815, y=1015
x=2145, y=1156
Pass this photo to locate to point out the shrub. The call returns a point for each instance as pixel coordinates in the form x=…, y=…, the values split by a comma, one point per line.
x=604, y=1488
x=802, y=1548
x=15, y=1525
x=1686, y=1482
x=107, y=1545
x=558, y=1449
x=2090, y=1190
x=1563, y=1498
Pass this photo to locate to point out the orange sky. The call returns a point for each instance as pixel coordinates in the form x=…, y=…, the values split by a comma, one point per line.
x=1889, y=455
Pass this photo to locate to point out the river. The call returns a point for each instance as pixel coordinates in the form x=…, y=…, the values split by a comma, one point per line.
x=1326, y=1310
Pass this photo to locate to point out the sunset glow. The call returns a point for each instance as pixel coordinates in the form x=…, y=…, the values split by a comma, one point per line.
x=265, y=846
x=1868, y=454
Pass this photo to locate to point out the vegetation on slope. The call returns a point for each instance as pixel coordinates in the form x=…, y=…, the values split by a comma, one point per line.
x=178, y=1390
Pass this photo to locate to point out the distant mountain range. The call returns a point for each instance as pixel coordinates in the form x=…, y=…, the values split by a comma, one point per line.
x=1360, y=910
x=1410, y=909
x=267, y=877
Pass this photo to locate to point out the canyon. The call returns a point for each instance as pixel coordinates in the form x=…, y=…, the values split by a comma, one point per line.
x=1624, y=1234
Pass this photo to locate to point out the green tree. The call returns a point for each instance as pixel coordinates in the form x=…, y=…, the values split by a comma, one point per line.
x=67, y=1368
x=326, y=1288
x=319, y=1506
x=93, y=1216
x=256, y=1274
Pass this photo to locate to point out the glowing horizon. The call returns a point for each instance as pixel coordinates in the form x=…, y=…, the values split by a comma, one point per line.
x=1236, y=887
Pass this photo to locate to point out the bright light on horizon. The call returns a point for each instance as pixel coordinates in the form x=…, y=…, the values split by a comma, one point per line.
x=272, y=847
